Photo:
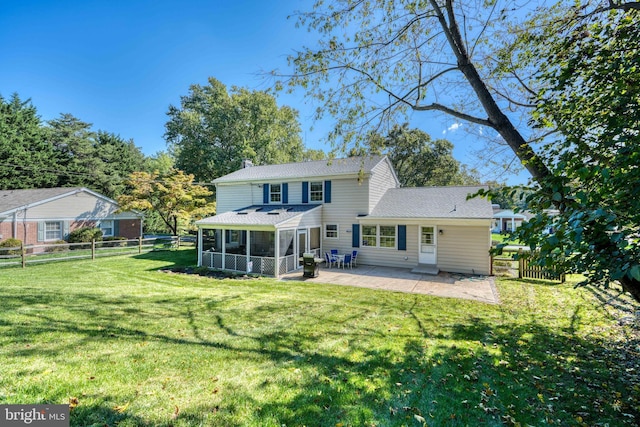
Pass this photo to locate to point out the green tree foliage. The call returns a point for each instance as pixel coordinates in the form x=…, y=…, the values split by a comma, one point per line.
x=99, y=160
x=172, y=196
x=591, y=98
x=377, y=61
x=419, y=160
x=26, y=160
x=213, y=130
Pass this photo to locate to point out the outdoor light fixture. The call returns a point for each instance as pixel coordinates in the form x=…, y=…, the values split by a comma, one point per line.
x=441, y=231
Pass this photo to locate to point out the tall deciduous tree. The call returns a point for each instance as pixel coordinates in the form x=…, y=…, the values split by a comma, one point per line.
x=26, y=160
x=378, y=60
x=592, y=100
x=212, y=130
x=385, y=58
x=173, y=196
x=419, y=160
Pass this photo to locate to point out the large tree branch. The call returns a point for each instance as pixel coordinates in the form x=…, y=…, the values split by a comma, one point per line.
x=454, y=113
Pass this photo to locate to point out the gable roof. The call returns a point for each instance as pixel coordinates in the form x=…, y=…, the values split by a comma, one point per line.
x=12, y=200
x=313, y=169
x=270, y=215
x=432, y=202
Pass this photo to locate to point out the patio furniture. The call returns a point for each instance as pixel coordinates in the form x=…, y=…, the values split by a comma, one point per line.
x=330, y=259
x=354, y=258
x=339, y=259
x=347, y=260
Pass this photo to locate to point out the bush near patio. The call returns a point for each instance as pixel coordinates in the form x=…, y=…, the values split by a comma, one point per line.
x=126, y=344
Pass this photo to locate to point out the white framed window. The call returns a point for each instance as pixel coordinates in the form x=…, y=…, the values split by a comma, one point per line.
x=369, y=235
x=53, y=230
x=275, y=193
x=381, y=236
x=316, y=191
x=331, y=231
x=387, y=236
x=106, y=227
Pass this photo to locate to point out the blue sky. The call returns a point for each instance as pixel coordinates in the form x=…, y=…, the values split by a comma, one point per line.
x=120, y=64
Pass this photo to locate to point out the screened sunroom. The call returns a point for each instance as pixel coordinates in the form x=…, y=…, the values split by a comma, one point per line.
x=266, y=240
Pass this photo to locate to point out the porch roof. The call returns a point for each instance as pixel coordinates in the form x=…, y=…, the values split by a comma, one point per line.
x=258, y=215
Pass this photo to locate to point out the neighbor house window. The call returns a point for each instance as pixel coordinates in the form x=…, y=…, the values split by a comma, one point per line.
x=316, y=191
x=106, y=227
x=331, y=231
x=275, y=191
x=53, y=230
x=369, y=233
x=383, y=236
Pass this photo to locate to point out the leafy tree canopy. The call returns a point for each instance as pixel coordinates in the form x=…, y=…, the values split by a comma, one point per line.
x=591, y=99
x=213, y=130
x=26, y=160
x=419, y=160
x=173, y=196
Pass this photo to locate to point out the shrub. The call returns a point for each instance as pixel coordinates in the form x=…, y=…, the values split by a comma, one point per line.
x=14, y=244
x=84, y=235
x=51, y=249
x=114, y=241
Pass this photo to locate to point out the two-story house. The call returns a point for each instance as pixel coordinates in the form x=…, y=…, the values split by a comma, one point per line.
x=268, y=216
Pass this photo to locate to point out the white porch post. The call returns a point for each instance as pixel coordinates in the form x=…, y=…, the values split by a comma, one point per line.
x=248, y=249
x=224, y=248
x=199, y=246
x=276, y=268
x=513, y=224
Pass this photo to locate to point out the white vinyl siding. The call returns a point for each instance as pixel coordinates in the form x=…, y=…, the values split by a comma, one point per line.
x=382, y=179
x=79, y=205
x=237, y=196
x=464, y=249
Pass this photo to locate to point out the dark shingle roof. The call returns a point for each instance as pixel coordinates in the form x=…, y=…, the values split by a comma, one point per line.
x=433, y=202
x=318, y=168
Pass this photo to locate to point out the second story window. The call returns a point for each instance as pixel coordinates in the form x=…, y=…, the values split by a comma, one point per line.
x=316, y=191
x=275, y=193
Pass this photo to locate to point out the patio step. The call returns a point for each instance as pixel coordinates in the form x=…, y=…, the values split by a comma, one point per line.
x=426, y=269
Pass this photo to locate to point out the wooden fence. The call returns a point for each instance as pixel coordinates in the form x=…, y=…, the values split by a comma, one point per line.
x=508, y=262
x=32, y=254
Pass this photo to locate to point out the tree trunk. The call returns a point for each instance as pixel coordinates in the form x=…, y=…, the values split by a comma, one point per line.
x=632, y=286
x=497, y=119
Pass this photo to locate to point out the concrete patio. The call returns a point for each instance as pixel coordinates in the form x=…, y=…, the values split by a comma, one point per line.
x=477, y=288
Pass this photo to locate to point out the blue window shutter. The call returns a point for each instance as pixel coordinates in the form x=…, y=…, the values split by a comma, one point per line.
x=265, y=194
x=116, y=227
x=285, y=193
x=327, y=191
x=41, y=232
x=355, y=235
x=305, y=192
x=402, y=237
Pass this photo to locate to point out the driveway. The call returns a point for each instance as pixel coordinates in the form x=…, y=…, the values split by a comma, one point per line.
x=477, y=288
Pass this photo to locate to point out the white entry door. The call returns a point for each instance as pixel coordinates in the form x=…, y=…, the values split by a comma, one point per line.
x=303, y=244
x=427, y=240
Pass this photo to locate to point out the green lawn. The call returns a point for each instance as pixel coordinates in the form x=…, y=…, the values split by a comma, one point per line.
x=132, y=346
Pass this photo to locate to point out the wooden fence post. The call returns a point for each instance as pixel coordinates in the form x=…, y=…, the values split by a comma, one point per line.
x=23, y=253
x=93, y=248
x=140, y=244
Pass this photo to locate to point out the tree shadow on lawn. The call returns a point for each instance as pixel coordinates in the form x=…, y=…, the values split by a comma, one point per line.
x=332, y=367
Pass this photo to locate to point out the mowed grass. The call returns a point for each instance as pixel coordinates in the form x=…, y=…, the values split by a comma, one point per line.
x=129, y=345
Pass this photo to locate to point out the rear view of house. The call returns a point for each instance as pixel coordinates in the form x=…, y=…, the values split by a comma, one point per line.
x=39, y=216
x=268, y=216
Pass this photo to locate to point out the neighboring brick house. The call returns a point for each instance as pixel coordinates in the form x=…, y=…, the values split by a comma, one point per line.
x=268, y=216
x=44, y=215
